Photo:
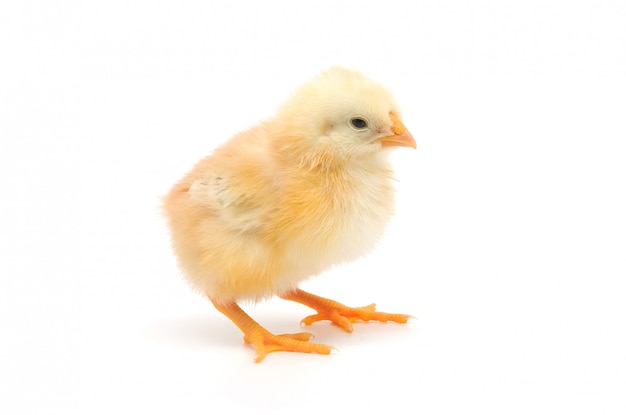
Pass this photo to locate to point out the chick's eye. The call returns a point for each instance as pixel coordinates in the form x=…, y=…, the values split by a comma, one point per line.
x=358, y=123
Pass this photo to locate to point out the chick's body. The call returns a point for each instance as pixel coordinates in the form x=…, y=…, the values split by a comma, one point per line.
x=250, y=222
x=292, y=196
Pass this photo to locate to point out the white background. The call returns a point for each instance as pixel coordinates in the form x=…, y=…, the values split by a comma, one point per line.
x=509, y=245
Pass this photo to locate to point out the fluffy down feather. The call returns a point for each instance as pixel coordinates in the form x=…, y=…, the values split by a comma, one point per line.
x=290, y=197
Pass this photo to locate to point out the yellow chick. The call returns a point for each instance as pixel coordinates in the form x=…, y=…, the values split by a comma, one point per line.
x=297, y=194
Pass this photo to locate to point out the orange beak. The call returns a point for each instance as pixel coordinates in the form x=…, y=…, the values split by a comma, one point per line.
x=401, y=136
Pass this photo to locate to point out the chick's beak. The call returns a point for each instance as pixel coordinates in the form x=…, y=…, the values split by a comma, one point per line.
x=401, y=136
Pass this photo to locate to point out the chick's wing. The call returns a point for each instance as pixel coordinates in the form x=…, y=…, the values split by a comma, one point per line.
x=236, y=207
x=238, y=185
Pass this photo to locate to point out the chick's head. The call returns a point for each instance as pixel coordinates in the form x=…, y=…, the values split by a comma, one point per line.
x=344, y=115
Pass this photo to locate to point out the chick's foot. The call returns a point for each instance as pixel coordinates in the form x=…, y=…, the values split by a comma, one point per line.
x=340, y=314
x=265, y=342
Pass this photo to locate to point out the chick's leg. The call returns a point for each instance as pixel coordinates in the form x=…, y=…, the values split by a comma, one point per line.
x=265, y=342
x=338, y=313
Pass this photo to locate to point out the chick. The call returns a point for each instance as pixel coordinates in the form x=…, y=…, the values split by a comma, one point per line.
x=297, y=194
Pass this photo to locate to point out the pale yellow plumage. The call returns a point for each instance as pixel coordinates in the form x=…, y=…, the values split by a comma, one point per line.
x=283, y=201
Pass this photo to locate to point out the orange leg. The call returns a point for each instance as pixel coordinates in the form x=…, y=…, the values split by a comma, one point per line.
x=338, y=313
x=265, y=342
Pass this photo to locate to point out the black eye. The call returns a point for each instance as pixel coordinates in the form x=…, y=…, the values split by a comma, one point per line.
x=358, y=123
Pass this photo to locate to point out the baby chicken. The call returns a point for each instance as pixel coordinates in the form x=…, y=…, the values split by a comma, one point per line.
x=284, y=201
